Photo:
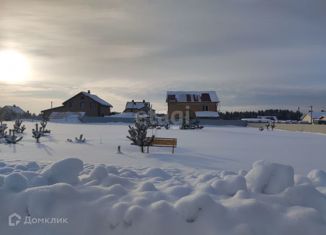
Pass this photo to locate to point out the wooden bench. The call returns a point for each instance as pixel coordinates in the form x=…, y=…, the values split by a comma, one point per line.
x=163, y=142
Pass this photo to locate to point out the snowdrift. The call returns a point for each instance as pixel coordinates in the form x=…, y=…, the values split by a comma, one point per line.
x=102, y=199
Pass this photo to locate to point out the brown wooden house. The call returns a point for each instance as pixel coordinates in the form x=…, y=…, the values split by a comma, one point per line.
x=90, y=104
x=180, y=102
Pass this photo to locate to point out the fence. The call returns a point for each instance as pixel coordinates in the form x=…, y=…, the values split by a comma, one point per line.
x=204, y=122
x=215, y=122
x=107, y=120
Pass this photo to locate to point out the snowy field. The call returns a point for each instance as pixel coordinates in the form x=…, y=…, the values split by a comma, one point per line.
x=213, y=148
x=215, y=183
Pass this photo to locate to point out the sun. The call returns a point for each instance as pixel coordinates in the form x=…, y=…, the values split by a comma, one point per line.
x=14, y=67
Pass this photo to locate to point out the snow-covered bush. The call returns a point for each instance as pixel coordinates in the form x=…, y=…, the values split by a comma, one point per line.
x=12, y=138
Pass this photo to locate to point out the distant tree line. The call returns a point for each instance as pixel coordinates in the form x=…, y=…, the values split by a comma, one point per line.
x=279, y=113
x=9, y=115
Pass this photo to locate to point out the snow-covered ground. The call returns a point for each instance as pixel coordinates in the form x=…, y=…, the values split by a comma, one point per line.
x=213, y=148
x=213, y=184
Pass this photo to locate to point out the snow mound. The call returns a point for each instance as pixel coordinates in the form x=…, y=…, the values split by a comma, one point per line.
x=128, y=173
x=112, y=170
x=157, y=172
x=113, y=179
x=318, y=177
x=38, y=180
x=99, y=173
x=303, y=220
x=133, y=215
x=230, y=185
x=270, y=178
x=6, y=170
x=301, y=179
x=147, y=186
x=117, y=190
x=128, y=201
x=179, y=191
x=15, y=182
x=193, y=206
x=32, y=166
x=41, y=200
x=64, y=171
x=20, y=167
x=306, y=196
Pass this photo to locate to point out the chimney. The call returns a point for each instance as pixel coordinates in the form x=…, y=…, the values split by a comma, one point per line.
x=89, y=91
x=133, y=101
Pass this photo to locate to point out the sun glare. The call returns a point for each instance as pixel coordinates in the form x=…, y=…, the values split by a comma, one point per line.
x=14, y=67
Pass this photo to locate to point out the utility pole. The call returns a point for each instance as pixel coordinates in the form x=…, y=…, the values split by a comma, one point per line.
x=311, y=118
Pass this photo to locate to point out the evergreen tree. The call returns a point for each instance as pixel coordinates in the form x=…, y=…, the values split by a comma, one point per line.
x=138, y=134
x=280, y=114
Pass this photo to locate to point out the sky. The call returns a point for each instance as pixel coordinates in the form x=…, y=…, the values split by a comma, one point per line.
x=256, y=54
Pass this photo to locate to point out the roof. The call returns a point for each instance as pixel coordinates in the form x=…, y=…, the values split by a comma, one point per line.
x=52, y=109
x=207, y=114
x=93, y=97
x=97, y=99
x=192, y=96
x=136, y=105
x=317, y=115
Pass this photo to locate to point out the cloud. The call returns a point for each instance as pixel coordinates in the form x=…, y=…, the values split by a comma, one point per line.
x=253, y=52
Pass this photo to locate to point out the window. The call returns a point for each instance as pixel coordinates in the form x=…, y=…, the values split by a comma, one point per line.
x=171, y=98
x=205, y=97
x=188, y=98
x=205, y=108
